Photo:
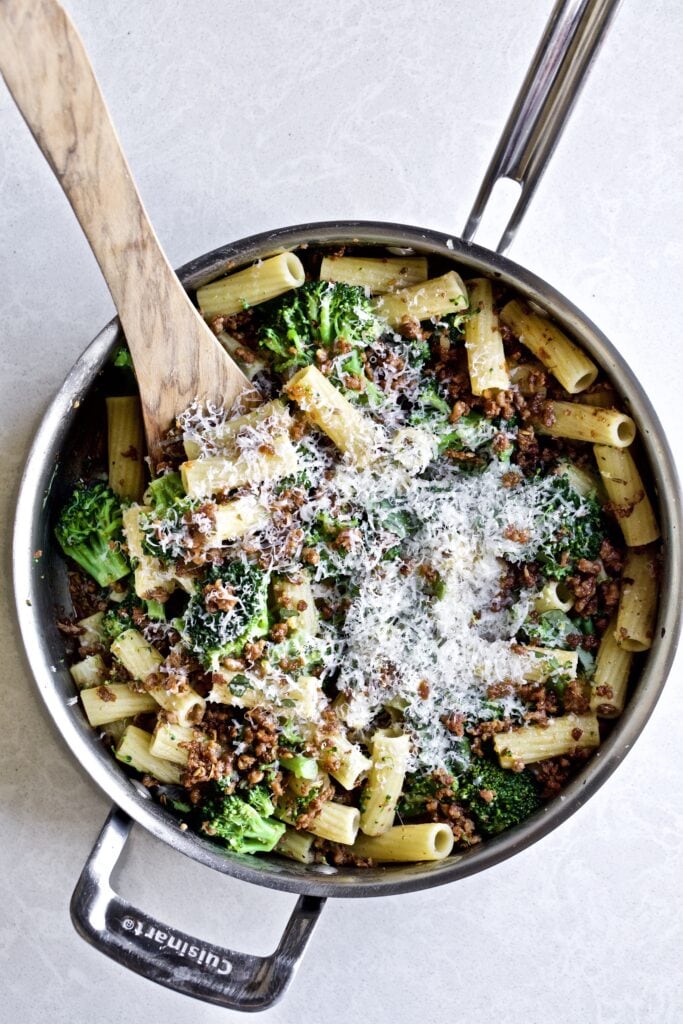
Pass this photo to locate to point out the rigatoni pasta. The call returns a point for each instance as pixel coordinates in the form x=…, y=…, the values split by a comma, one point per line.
x=378, y=616
x=565, y=360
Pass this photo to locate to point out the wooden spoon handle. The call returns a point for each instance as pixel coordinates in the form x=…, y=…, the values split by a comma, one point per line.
x=47, y=70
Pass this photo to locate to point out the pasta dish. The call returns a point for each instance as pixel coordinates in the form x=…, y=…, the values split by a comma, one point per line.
x=386, y=606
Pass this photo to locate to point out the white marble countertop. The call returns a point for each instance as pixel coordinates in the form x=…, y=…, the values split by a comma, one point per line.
x=238, y=117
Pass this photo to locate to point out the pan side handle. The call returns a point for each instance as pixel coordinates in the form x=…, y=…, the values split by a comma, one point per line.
x=224, y=977
x=572, y=38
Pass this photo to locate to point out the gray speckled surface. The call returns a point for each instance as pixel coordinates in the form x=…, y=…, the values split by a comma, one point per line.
x=239, y=117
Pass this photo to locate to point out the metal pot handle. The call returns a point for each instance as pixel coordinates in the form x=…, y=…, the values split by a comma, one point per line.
x=235, y=981
x=571, y=40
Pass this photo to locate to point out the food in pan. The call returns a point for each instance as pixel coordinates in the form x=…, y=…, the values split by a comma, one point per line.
x=388, y=605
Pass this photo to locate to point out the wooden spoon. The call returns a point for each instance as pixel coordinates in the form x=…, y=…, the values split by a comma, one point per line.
x=177, y=358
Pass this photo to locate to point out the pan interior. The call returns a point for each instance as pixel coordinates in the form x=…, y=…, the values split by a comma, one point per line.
x=73, y=428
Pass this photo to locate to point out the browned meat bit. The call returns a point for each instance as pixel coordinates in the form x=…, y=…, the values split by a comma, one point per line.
x=591, y=568
x=455, y=723
x=130, y=453
x=459, y=410
x=511, y=479
x=487, y=795
x=528, y=451
x=206, y=762
x=575, y=699
x=442, y=807
x=513, y=533
x=577, y=734
x=354, y=382
x=86, y=596
x=604, y=691
x=253, y=651
x=612, y=557
x=481, y=731
x=347, y=539
x=584, y=588
x=423, y=689
x=105, y=694
x=500, y=444
x=279, y=632
x=554, y=774
x=219, y=597
x=409, y=327
x=501, y=689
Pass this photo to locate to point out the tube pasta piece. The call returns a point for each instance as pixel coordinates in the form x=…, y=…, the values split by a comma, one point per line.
x=296, y=603
x=433, y=841
x=170, y=741
x=638, y=604
x=344, y=761
x=536, y=743
x=583, y=481
x=296, y=846
x=434, y=298
x=137, y=656
x=263, y=281
x=93, y=633
x=126, y=447
x=236, y=518
x=134, y=749
x=610, y=679
x=385, y=782
x=114, y=701
x=483, y=341
x=203, y=478
x=589, y=423
x=353, y=433
x=554, y=597
x=270, y=419
x=336, y=822
x=247, y=691
x=625, y=488
x=377, y=275
x=565, y=360
x=90, y=672
x=545, y=662
x=140, y=659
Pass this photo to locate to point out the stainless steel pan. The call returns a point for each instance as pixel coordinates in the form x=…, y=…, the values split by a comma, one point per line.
x=161, y=953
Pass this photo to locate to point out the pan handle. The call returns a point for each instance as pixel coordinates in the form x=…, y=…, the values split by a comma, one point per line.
x=224, y=977
x=572, y=37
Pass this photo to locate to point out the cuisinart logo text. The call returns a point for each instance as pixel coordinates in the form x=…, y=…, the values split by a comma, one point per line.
x=178, y=945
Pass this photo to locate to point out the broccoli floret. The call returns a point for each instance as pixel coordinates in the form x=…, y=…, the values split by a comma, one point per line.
x=452, y=326
x=165, y=490
x=121, y=616
x=243, y=823
x=432, y=411
x=417, y=790
x=509, y=798
x=579, y=533
x=315, y=316
x=164, y=529
x=551, y=629
x=122, y=358
x=89, y=531
x=214, y=635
